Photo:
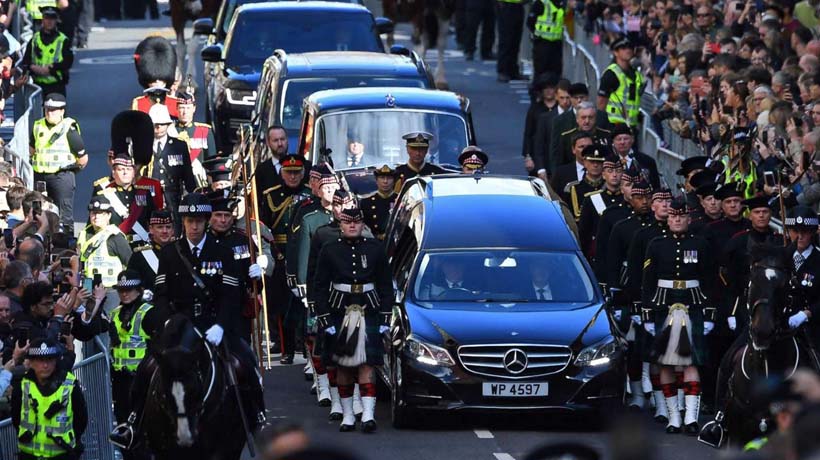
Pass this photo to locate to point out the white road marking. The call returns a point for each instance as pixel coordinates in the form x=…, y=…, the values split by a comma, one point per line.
x=483, y=434
x=503, y=456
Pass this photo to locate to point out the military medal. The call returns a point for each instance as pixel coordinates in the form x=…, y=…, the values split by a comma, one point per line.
x=202, y=270
x=364, y=261
x=219, y=268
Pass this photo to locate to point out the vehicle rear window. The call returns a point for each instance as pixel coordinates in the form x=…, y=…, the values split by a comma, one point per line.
x=256, y=36
x=230, y=8
x=297, y=89
x=503, y=277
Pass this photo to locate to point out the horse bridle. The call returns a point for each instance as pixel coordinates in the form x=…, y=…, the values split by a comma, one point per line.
x=201, y=407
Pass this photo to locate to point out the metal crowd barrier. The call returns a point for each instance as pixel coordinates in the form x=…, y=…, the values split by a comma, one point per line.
x=93, y=373
x=27, y=109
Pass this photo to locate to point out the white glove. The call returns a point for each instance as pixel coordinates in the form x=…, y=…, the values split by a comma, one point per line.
x=331, y=330
x=383, y=329
x=732, y=323
x=637, y=320
x=147, y=295
x=214, y=335
x=255, y=271
x=649, y=327
x=707, y=327
x=797, y=319
x=617, y=315
x=263, y=261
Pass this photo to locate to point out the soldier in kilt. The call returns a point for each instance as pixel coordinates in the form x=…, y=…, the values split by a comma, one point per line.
x=677, y=275
x=353, y=292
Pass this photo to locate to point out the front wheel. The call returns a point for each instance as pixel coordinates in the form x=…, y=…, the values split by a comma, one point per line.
x=401, y=416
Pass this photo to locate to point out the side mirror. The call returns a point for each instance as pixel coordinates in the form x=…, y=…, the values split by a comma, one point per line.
x=212, y=53
x=204, y=26
x=384, y=26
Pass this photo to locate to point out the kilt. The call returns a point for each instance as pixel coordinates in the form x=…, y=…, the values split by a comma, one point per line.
x=694, y=326
x=373, y=348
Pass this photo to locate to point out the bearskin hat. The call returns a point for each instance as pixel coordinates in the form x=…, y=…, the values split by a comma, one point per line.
x=136, y=128
x=155, y=59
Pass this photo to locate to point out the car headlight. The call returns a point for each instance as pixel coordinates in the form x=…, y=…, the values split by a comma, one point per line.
x=599, y=354
x=240, y=96
x=426, y=353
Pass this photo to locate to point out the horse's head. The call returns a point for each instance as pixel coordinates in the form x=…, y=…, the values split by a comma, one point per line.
x=768, y=280
x=182, y=379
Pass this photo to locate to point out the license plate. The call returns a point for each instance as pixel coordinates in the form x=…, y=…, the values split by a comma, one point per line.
x=514, y=390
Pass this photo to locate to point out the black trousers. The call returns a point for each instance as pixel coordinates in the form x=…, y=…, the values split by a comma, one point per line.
x=69, y=19
x=60, y=188
x=53, y=88
x=85, y=21
x=547, y=56
x=479, y=13
x=510, y=27
x=108, y=9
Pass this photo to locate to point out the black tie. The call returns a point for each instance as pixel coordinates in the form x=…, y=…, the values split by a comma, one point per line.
x=540, y=294
x=798, y=260
x=195, y=251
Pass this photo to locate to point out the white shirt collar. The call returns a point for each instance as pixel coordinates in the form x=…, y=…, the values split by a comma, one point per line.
x=579, y=170
x=560, y=110
x=547, y=291
x=807, y=252
x=200, y=246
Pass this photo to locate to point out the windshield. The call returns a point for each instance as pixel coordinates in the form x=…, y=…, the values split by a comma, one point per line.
x=256, y=36
x=231, y=6
x=296, y=90
x=548, y=279
x=373, y=137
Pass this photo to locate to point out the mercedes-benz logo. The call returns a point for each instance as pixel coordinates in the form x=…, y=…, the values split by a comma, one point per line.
x=515, y=361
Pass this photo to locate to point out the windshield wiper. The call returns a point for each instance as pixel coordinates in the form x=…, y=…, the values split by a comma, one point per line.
x=491, y=300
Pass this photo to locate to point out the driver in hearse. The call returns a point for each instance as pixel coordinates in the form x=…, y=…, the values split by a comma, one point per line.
x=355, y=148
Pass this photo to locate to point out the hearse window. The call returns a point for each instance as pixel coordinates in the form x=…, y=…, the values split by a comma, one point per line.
x=505, y=277
x=405, y=254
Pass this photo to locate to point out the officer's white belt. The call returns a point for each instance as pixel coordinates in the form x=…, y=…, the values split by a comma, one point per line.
x=354, y=288
x=678, y=284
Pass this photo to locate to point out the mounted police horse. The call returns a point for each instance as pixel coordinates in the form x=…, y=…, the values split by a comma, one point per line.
x=769, y=350
x=181, y=12
x=431, y=22
x=191, y=411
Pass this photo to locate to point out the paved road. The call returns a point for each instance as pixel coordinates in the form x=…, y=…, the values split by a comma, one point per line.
x=104, y=82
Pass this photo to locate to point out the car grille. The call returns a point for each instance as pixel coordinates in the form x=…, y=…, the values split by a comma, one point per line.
x=489, y=360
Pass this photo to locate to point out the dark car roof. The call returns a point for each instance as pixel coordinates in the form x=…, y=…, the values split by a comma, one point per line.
x=351, y=63
x=375, y=97
x=303, y=6
x=491, y=212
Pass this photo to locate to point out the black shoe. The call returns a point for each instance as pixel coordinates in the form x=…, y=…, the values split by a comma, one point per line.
x=369, y=426
x=122, y=436
x=502, y=78
x=692, y=429
x=489, y=57
x=166, y=13
x=313, y=390
x=82, y=46
x=335, y=416
x=469, y=56
x=661, y=419
x=324, y=402
x=518, y=76
x=286, y=360
x=347, y=428
x=672, y=429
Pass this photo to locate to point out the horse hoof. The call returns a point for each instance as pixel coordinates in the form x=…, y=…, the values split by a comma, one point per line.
x=369, y=426
x=661, y=419
x=324, y=402
x=692, y=429
x=672, y=429
x=347, y=428
x=334, y=416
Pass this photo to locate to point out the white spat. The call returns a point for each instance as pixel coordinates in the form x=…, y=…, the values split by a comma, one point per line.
x=184, y=437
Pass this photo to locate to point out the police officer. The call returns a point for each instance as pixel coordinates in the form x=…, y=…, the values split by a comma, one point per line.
x=802, y=225
x=57, y=152
x=546, y=22
x=145, y=259
x=171, y=162
x=418, y=143
x=199, y=278
x=198, y=136
x=472, y=160
x=133, y=323
x=377, y=205
x=156, y=63
x=48, y=55
x=353, y=305
x=510, y=15
x=592, y=181
x=619, y=92
x=596, y=203
x=222, y=227
x=611, y=216
x=131, y=203
x=102, y=247
x=48, y=408
x=34, y=9
x=676, y=290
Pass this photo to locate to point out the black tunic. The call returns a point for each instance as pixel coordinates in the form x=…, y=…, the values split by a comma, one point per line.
x=376, y=208
x=405, y=171
x=735, y=263
x=609, y=218
x=142, y=261
x=590, y=216
x=618, y=248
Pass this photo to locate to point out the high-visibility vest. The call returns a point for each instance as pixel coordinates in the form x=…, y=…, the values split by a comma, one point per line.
x=33, y=7
x=46, y=55
x=621, y=108
x=550, y=25
x=511, y=1
x=95, y=257
x=133, y=341
x=51, y=150
x=40, y=431
x=734, y=175
x=756, y=444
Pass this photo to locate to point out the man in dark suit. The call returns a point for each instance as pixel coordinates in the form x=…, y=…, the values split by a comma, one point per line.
x=622, y=142
x=537, y=146
x=574, y=171
x=170, y=163
x=585, y=118
x=579, y=93
x=267, y=171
